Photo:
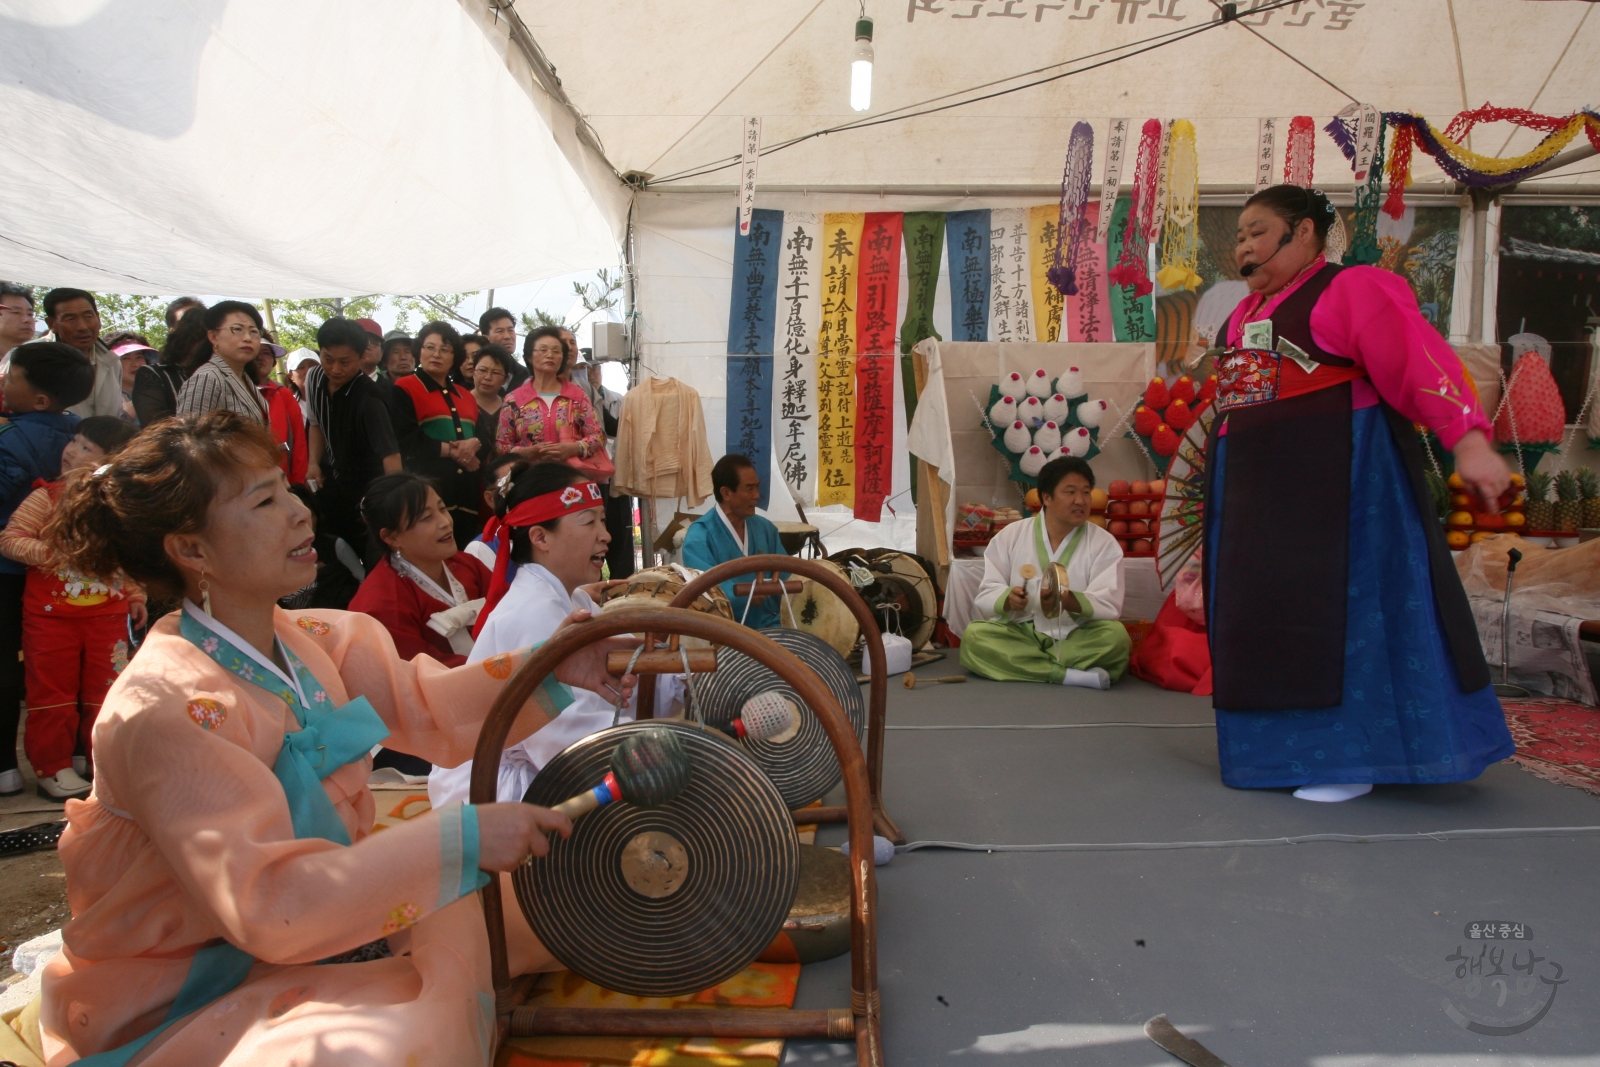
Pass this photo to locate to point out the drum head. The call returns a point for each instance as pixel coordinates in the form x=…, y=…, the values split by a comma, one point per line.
x=925, y=614
x=670, y=900
x=818, y=611
x=803, y=767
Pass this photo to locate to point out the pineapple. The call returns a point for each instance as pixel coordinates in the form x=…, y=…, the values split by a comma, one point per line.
x=1589, y=483
x=1569, y=502
x=1541, y=515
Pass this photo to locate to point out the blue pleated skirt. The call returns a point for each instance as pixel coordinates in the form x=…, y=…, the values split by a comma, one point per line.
x=1404, y=718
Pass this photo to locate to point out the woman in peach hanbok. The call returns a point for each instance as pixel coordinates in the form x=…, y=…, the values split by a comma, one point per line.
x=230, y=902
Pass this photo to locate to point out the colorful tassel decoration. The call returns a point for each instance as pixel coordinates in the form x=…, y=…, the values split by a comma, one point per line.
x=1131, y=269
x=1299, y=154
x=1074, y=217
x=1180, y=237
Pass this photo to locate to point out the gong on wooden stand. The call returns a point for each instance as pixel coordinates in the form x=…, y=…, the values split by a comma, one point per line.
x=651, y=847
x=766, y=569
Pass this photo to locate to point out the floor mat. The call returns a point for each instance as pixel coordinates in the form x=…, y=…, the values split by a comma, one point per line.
x=761, y=985
x=1557, y=740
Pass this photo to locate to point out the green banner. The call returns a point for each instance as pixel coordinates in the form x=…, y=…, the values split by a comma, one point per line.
x=924, y=241
x=1133, y=318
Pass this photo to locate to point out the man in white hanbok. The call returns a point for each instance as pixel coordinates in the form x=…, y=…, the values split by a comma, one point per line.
x=1012, y=639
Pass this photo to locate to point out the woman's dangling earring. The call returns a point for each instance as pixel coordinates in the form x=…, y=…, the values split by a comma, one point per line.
x=205, y=595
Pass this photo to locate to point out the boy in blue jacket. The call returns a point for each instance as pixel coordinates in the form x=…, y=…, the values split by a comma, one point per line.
x=44, y=379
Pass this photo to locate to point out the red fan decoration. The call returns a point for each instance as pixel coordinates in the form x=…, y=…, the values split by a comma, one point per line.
x=1534, y=404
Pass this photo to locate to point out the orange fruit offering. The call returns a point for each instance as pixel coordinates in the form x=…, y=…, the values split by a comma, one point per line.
x=1516, y=518
x=1458, y=538
x=1460, y=518
x=1455, y=481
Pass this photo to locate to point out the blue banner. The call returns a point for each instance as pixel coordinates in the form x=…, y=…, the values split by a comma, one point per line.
x=967, y=234
x=750, y=410
x=755, y=290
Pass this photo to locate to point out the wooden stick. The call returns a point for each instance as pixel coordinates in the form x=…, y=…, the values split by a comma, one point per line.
x=662, y=661
x=769, y=588
x=912, y=682
x=836, y=1023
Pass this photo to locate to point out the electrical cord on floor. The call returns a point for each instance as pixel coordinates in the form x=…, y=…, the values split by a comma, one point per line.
x=1257, y=842
x=1064, y=726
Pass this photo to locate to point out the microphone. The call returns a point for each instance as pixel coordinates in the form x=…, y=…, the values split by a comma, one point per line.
x=1250, y=268
x=648, y=769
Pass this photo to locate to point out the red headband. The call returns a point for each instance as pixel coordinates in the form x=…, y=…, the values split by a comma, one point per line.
x=543, y=508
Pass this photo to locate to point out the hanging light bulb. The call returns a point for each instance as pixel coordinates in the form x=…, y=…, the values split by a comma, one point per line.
x=861, y=65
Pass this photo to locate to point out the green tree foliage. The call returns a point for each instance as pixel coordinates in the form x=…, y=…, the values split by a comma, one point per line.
x=1564, y=226
x=294, y=322
x=598, y=295
x=143, y=315
x=414, y=312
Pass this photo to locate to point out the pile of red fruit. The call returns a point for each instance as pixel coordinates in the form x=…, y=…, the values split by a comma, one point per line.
x=1133, y=515
x=1167, y=411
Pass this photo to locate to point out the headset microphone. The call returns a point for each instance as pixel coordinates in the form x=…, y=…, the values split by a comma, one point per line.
x=1250, y=268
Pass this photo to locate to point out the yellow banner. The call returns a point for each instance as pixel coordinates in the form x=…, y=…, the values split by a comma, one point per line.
x=1047, y=299
x=840, y=253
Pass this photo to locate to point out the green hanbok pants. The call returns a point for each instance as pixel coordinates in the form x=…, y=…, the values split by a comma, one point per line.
x=1016, y=652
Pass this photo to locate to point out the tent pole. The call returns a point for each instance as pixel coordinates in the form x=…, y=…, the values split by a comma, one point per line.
x=1480, y=260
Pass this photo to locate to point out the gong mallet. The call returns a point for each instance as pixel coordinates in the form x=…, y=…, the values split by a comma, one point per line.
x=949, y=679
x=1505, y=688
x=648, y=769
x=767, y=716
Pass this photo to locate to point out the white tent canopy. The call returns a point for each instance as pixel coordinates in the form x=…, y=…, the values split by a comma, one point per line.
x=285, y=148
x=292, y=148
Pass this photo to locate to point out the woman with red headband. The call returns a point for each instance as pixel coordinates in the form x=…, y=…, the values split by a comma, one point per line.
x=552, y=527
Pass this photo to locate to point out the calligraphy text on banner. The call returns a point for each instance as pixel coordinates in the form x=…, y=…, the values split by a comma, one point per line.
x=749, y=161
x=800, y=305
x=1047, y=299
x=1088, y=311
x=750, y=415
x=924, y=242
x=874, y=433
x=840, y=251
x=878, y=295
x=1010, y=278
x=755, y=285
x=1132, y=317
x=967, y=235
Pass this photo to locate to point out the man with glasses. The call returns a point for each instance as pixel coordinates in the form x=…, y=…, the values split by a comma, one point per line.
x=74, y=318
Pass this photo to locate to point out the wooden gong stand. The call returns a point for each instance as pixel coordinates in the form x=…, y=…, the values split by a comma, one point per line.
x=861, y=1020
x=878, y=695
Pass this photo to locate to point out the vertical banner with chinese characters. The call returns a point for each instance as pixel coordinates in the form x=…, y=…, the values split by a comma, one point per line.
x=1266, y=133
x=1010, y=276
x=874, y=433
x=967, y=234
x=749, y=431
x=1088, y=312
x=878, y=300
x=755, y=285
x=795, y=363
x=924, y=241
x=749, y=160
x=878, y=294
x=840, y=250
x=1132, y=317
x=1116, y=147
x=1048, y=302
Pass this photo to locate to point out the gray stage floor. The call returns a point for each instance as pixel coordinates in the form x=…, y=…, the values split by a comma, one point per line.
x=1323, y=955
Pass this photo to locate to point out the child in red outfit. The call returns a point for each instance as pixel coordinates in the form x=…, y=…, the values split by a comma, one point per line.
x=75, y=626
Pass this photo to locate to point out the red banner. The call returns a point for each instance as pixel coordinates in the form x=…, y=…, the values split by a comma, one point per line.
x=877, y=304
x=878, y=295
x=874, y=433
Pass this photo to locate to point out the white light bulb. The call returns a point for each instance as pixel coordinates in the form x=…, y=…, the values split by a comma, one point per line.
x=861, y=66
x=861, y=78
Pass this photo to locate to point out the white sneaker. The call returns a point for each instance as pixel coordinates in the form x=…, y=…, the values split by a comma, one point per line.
x=1093, y=678
x=1334, y=792
x=80, y=764
x=66, y=785
x=11, y=782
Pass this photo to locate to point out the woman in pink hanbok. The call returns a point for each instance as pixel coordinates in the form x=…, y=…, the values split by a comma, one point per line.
x=231, y=903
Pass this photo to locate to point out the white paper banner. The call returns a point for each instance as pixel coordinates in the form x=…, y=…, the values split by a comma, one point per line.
x=794, y=366
x=1159, y=218
x=1366, y=139
x=748, y=161
x=1266, y=131
x=1116, y=145
x=1010, y=276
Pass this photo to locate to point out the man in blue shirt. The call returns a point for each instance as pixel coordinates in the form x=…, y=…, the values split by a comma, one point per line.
x=732, y=529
